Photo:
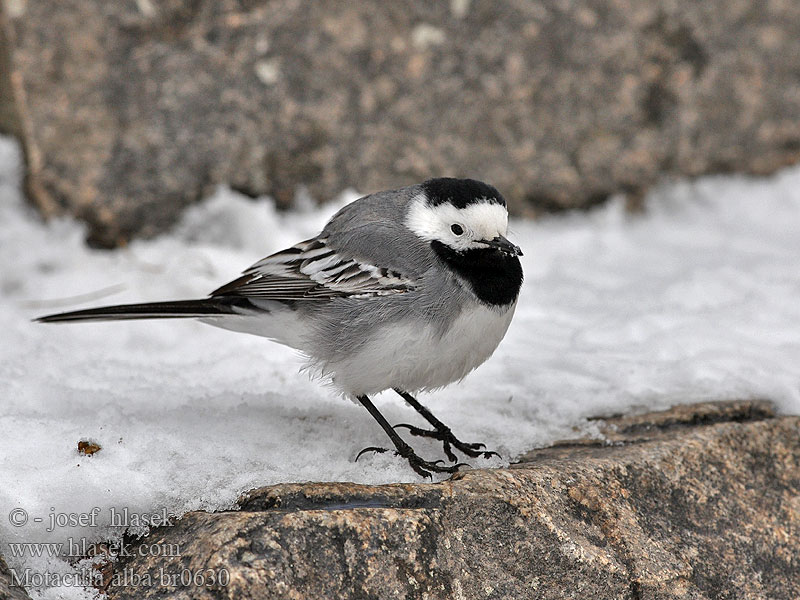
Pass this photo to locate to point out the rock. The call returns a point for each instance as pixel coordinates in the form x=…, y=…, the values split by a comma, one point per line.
x=129, y=111
x=8, y=590
x=696, y=502
x=9, y=123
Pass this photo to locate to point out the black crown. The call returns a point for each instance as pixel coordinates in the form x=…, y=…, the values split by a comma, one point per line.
x=460, y=192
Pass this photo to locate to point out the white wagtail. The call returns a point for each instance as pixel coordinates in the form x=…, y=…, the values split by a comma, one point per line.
x=407, y=289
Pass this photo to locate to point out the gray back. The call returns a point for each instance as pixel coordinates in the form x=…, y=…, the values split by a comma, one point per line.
x=372, y=230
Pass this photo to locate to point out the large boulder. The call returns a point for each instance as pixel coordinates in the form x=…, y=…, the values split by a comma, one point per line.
x=131, y=110
x=9, y=590
x=697, y=502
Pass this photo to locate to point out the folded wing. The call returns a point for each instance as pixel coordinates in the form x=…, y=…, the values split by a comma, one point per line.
x=311, y=270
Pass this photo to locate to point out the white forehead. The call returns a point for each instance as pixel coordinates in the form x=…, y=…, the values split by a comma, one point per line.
x=481, y=220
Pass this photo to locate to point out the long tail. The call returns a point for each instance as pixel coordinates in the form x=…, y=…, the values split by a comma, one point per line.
x=207, y=307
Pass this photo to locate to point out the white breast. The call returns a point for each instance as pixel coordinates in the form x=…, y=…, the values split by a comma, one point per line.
x=414, y=358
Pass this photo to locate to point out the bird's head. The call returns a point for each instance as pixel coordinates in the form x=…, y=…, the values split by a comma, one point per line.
x=461, y=216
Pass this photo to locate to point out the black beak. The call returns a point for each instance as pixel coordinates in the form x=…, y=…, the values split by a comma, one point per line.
x=502, y=244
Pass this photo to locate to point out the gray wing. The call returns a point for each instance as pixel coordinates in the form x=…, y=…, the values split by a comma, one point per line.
x=311, y=270
x=365, y=250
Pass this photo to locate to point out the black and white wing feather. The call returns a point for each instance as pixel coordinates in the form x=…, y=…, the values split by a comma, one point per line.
x=311, y=270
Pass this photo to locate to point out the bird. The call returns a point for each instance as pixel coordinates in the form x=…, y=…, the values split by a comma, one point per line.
x=407, y=289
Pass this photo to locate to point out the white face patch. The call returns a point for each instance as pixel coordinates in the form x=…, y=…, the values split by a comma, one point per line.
x=479, y=221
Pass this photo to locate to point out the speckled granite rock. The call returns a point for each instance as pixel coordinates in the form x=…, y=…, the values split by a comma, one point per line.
x=131, y=110
x=698, y=502
x=9, y=591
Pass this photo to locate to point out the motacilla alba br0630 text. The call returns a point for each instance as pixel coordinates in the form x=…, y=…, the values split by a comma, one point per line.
x=407, y=289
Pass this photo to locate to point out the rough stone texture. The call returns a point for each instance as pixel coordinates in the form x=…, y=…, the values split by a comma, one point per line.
x=698, y=502
x=9, y=124
x=9, y=591
x=130, y=110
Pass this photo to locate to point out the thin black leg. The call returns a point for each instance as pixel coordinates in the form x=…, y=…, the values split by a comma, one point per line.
x=423, y=467
x=441, y=432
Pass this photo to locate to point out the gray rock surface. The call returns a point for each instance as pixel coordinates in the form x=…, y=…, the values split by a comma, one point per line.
x=698, y=502
x=9, y=591
x=131, y=110
x=9, y=124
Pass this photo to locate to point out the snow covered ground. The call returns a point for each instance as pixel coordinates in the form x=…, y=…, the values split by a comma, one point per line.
x=695, y=300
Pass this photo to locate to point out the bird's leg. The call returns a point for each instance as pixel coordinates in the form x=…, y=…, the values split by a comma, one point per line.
x=441, y=432
x=421, y=466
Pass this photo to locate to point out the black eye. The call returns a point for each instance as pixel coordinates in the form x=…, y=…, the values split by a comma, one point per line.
x=456, y=228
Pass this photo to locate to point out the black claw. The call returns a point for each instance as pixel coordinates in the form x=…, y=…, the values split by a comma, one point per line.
x=376, y=449
x=426, y=468
x=441, y=432
x=420, y=466
x=418, y=431
x=420, y=471
x=449, y=441
x=449, y=452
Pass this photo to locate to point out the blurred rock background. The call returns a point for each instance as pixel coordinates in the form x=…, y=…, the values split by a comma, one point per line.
x=128, y=111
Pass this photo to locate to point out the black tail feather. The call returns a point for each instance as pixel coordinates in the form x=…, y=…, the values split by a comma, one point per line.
x=207, y=307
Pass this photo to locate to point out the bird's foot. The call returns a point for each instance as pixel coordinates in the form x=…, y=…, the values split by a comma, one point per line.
x=449, y=441
x=420, y=465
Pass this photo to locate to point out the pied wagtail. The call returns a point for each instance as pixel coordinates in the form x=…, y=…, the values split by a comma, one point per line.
x=407, y=289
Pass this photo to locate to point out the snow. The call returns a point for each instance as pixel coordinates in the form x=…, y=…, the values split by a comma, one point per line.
x=694, y=300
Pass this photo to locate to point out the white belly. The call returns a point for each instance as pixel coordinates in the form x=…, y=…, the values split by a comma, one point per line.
x=421, y=358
